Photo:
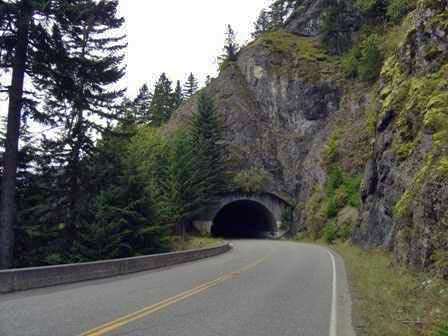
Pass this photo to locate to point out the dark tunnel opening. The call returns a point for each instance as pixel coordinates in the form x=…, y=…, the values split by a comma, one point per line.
x=244, y=219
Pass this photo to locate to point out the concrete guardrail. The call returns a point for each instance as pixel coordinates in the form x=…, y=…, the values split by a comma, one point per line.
x=39, y=277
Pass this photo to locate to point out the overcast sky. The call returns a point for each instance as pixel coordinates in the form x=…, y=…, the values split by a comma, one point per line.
x=179, y=37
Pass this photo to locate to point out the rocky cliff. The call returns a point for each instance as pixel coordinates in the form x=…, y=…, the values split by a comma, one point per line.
x=369, y=157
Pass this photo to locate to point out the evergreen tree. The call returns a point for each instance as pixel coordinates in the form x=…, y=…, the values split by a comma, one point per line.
x=141, y=105
x=180, y=184
x=231, y=47
x=277, y=13
x=178, y=96
x=85, y=100
x=209, y=151
x=371, y=58
x=25, y=46
x=15, y=24
x=337, y=28
x=191, y=86
x=263, y=24
x=162, y=104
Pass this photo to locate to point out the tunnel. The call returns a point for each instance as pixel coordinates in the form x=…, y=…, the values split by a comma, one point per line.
x=244, y=219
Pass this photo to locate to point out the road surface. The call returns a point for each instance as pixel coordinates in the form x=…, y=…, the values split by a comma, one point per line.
x=260, y=288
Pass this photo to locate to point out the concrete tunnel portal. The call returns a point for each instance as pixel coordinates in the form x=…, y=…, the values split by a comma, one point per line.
x=243, y=219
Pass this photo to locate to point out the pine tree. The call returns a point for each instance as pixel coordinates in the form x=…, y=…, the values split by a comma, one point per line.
x=86, y=99
x=141, y=105
x=277, y=13
x=231, y=47
x=25, y=43
x=209, y=151
x=162, y=104
x=336, y=30
x=178, y=96
x=263, y=24
x=180, y=184
x=191, y=86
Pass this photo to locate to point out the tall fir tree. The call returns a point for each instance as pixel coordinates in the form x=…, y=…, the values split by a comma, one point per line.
x=231, y=47
x=277, y=13
x=162, y=104
x=191, y=86
x=90, y=51
x=263, y=24
x=178, y=97
x=141, y=105
x=209, y=151
x=337, y=26
x=25, y=44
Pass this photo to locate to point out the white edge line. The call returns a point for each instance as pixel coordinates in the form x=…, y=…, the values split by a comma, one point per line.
x=333, y=319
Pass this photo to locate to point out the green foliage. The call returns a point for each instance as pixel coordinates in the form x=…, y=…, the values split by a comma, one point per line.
x=191, y=86
x=340, y=191
x=371, y=59
x=287, y=218
x=163, y=101
x=330, y=153
x=231, y=49
x=443, y=166
x=371, y=8
x=283, y=42
x=209, y=150
x=397, y=9
x=314, y=216
x=263, y=24
x=351, y=62
x=345, y=232
x=330, y=233
x=364, y=61
x=441, y=330
x=139, y=108
x=337, y=28
x=253, y=180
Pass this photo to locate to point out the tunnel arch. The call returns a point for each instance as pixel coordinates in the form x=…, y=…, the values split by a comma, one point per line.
x=244, y=219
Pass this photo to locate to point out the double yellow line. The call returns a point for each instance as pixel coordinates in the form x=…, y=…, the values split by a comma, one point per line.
x=122, y=321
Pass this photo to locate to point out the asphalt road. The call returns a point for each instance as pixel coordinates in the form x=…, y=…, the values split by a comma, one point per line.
x=260, y=288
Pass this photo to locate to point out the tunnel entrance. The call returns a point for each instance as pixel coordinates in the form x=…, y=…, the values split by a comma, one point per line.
x=244, y=219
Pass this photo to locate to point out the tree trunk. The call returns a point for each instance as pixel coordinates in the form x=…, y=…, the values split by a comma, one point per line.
x=8, y=206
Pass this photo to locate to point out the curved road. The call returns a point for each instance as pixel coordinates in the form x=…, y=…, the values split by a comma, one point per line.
x=260, y=288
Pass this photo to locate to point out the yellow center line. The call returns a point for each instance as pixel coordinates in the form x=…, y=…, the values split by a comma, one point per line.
x=122, y=321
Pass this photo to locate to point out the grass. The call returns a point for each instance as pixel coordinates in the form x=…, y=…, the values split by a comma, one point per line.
x=391, y=300
x=302, y=56
x=193, y=242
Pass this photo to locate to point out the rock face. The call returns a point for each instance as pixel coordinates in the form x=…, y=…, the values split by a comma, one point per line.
x=405, y=185
x=274, y=104
x=307, y=19
x=289, y=110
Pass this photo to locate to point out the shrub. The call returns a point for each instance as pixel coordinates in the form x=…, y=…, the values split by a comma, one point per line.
x=398, y=8
x=345, y=232
x=334, y=181
x=337, y=28
x=330, y=233
x=287, y=218
x=371, y=8
x=371, y=59
x=441, y=330
x=350, y=63
x=331, y=207
x=364, y=62
x=340, y=191
x=252, y=180
x=330, y=153
x=352, y=187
